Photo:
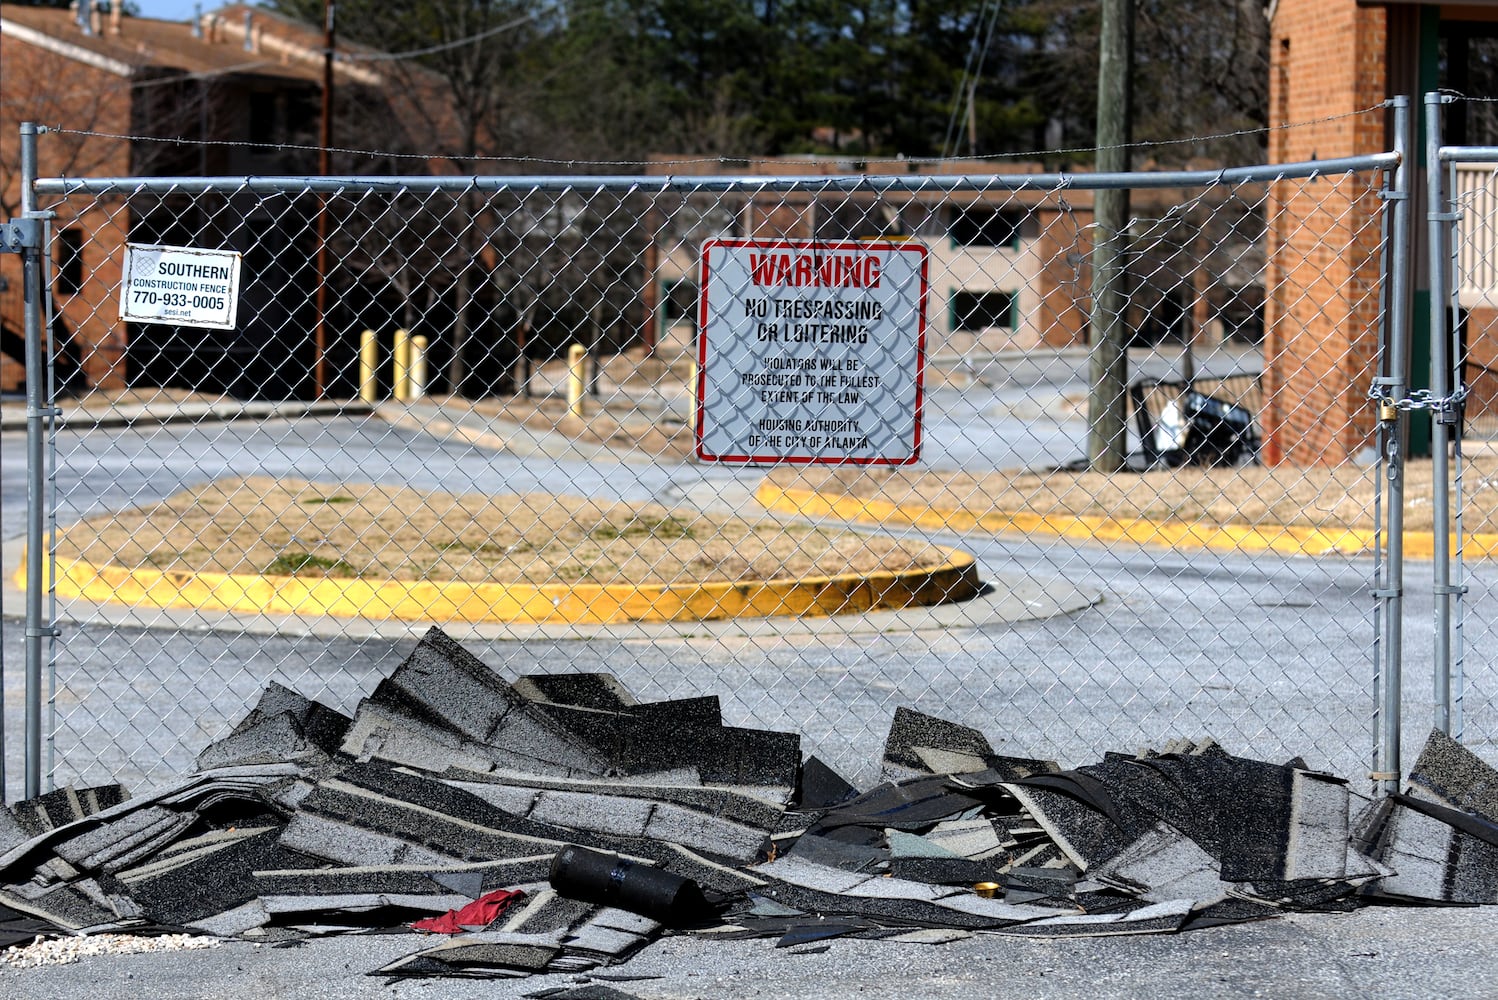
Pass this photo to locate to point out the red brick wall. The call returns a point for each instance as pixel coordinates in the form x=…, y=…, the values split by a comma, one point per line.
x=1327, y=58
x=50, y=89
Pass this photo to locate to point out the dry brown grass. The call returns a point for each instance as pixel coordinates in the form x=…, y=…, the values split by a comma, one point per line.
x=260, y=525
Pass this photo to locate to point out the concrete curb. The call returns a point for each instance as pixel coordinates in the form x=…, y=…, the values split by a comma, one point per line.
x=491, y=603
x=1283, y=539
x=145, y=413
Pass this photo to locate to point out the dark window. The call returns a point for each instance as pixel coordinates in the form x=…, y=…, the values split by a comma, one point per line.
x=678, y=300
x=263, y=115
x=982, y=310
x=985, y=227
x=69, y=261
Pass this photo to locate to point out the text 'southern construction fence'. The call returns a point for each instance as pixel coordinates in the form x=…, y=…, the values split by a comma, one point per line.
x=815, y=444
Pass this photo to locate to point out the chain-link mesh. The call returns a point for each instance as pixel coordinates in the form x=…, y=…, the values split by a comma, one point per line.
x=237, y=506
x=1474, y=497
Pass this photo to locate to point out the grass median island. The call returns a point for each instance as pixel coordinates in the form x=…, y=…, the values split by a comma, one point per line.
x=261, y=544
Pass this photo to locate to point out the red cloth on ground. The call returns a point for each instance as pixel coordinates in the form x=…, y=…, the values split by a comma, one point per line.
x=480, y=913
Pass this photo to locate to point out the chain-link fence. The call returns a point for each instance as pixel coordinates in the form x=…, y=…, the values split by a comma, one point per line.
x=814, y=444
x=1464, y=198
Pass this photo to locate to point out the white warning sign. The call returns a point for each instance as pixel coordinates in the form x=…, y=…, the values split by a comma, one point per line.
x=182, y=286
x=811, y=352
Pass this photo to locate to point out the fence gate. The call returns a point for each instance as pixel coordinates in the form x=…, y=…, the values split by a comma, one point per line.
x=579, y=398
x=1463, y=182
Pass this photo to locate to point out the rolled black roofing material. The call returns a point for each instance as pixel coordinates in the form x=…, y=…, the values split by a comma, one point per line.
x=611, y=880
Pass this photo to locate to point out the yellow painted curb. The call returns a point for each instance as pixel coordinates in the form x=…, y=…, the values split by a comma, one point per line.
x=1287, y=539
x=595, y=604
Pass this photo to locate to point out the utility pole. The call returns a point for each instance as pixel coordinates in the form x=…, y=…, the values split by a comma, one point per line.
x=324, y=168
x=1107, y=443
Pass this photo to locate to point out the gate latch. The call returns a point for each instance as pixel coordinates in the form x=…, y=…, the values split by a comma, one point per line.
x=19, y=235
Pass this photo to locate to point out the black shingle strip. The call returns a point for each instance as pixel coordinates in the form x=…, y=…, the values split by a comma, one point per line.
x=241, y=784
x=1298, y=895
x=912, y=804
x=444, y=684
x=12, y=834
x=1438, y=853
x=242, y=919
x=545, y=910
x=837, y=853
x=580, y=690
x=1086, y=836
x=591, y=991
x=387, y=733
x=720, y=802
x=593, y=808
x=283, y=726
x=1318, y=827
x=422, y=822
x=468, y=880
x=210, y=880
x=820, y=787
x=334, y=840
x=1155, y=918
x=271, y=739
x=911, y=729
x=64, y=806
x=395, y=907
x=1164, y=864
x=486, y=953
x=65, y=908
x=942, y=871
x=322, y=726
x=392, y=733
x=1455, y=777
x=817, y=889
x=619, y=733
x=112, y=845
x=723, y=755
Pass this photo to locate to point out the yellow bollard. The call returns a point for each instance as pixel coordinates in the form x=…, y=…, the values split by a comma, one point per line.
x=576, y=355
x=418, y=366
x=369, y=366
x=402, y=378
x=692, y=399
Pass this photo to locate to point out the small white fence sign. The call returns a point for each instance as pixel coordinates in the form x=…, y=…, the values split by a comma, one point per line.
x=811, y=352
x=182, y=286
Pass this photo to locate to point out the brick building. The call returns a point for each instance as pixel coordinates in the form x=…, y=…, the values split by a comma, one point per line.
x=1329, y=61
x=243, y=86
x=1008, y=268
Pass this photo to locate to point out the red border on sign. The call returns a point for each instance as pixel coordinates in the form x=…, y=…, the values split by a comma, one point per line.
x=823, y=245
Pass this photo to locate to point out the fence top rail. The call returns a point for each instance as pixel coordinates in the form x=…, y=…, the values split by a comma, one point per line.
x=1468, y=154
x=689, y=184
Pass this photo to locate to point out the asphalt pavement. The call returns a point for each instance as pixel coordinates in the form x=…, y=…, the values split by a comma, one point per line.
x=1078, y=648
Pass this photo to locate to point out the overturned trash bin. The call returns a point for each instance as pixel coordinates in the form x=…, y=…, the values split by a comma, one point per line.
x=1217, y=432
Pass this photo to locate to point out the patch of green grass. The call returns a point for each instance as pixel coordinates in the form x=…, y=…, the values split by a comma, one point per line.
x=590, y=572
x=668, y=528
x=332, y=499
x=483, y=548
x=307, y=564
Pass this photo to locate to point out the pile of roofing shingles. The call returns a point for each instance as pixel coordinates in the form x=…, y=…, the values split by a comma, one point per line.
x=450, y=784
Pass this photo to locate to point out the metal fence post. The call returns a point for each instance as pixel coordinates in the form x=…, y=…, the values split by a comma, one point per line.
x=1440, y=217
x=37, y=405
x=1394, y=428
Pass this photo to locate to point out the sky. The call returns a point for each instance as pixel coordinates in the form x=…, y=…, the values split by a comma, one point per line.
x=174, y=10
